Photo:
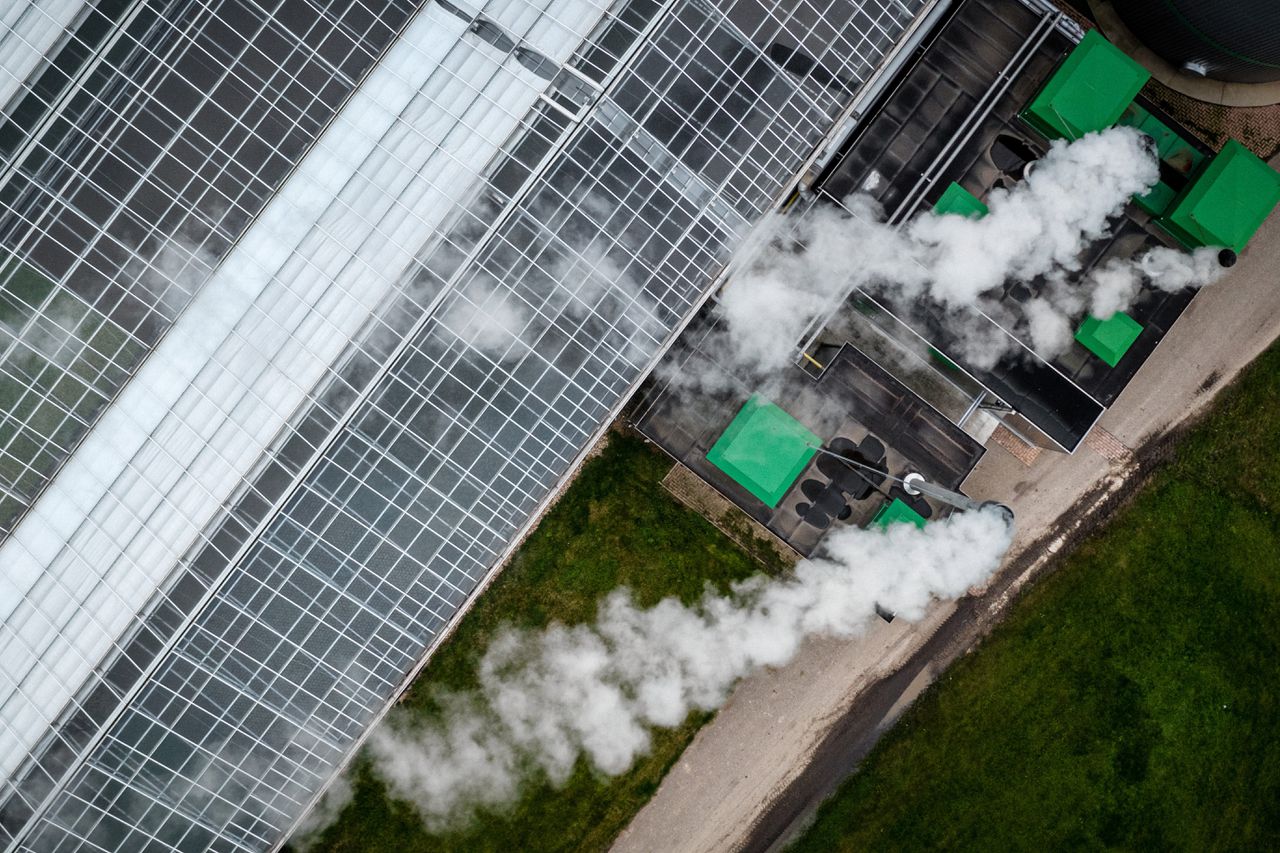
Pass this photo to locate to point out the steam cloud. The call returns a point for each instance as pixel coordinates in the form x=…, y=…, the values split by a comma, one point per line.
x=1036, y=233
x=551, y=697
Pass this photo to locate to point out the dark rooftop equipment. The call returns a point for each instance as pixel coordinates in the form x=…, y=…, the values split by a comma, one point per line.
x=1233, y=40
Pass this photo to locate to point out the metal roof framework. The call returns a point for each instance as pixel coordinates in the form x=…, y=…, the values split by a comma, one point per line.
x=426, y=308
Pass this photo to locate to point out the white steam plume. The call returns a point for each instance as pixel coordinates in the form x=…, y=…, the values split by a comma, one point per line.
x=551, y=697
x=1041, y=224
x=1113, y=286
x=1035, y=233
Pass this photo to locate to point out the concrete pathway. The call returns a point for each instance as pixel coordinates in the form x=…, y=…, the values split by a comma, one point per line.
x=744, y=763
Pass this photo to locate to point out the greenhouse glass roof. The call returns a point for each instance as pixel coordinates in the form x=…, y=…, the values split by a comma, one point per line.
x=392, y=275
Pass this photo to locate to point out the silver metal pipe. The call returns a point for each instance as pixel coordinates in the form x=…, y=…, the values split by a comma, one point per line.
x=917, y=484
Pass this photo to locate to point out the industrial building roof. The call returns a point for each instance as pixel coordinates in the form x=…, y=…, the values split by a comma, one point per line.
x=845, y=394
x=925, y=126
x=1227, y=202
x=764, y=450
x=1088, y=92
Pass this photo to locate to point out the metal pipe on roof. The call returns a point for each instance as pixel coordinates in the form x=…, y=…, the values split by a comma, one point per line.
x=974, y=120
x=915, y=484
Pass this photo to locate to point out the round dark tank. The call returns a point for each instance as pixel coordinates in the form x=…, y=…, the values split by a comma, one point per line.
x=1233, y=40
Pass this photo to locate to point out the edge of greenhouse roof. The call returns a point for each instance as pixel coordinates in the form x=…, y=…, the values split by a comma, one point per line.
x=43, y=538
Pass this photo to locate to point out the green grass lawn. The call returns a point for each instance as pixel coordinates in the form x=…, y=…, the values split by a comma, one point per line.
x=615, y=526
x=1131, y=700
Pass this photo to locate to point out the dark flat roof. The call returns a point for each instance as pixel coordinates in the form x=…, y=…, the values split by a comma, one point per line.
x=850, y=396
x=923, y=114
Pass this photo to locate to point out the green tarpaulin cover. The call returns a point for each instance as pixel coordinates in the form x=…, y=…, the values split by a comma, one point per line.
x=1226, y=202
x=957, y=199
x=1109, y=339
x=897, y=512
x=1088, y=92
x=764, y=450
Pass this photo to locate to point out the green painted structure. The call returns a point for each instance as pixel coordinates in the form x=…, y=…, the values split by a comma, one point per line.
x=1109, y=339
x=1088, y=92
x=764, y=450
x=1156, y=200
x=1226, y=202
x=958, y=200
x=896, y=512
x=1179, y=157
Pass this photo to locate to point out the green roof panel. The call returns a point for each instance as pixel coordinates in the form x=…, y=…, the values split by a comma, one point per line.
x=764, y=450
x=1156, y=200
x=956, y=199
x=1109, y=339
x=1226, y=203
x=896, y=512
x=1088, y=92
